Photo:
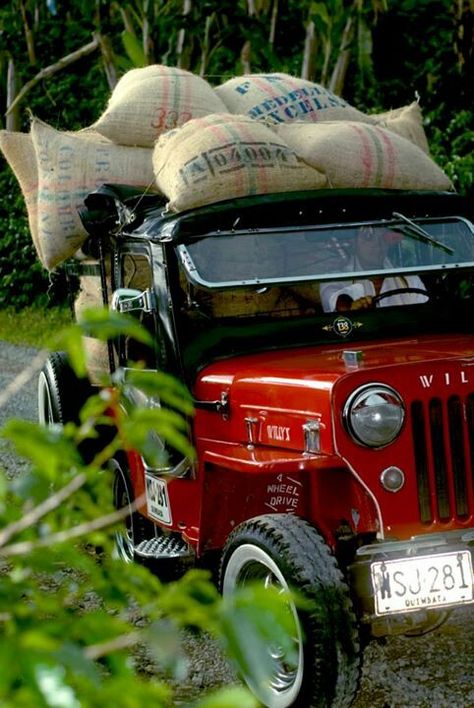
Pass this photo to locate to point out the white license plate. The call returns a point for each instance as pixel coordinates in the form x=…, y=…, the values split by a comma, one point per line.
x=157, y=500
x=422, y=582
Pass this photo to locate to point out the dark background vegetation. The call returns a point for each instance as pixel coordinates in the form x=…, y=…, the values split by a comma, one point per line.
x=378, y=54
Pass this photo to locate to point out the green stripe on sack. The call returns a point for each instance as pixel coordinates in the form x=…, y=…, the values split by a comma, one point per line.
x=249, y=175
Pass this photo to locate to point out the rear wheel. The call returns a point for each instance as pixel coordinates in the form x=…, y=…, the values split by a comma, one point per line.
x=135, y=527
x=287, y=552
x=61, y=394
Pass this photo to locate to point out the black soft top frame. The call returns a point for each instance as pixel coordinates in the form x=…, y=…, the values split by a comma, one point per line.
x=117, y=210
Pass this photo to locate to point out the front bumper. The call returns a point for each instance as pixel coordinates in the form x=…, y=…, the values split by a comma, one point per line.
x=437, y=545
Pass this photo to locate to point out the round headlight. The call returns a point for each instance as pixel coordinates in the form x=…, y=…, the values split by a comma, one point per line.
x=374, y=415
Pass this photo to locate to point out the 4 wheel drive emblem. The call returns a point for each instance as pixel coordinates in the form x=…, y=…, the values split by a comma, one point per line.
x=342, y=326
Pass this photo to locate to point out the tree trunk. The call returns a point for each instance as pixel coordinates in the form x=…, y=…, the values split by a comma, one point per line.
x=206, y=44
x=108, y=59
x=29, y=36
x=245, y=53
x=181, y=61
x=148, y=49
x=126, y=19
x=13, y=118
x=273, y=23
x=338, y=77
x=308, y=68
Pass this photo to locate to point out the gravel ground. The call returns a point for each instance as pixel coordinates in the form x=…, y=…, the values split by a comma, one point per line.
x=14, y=361
x=432, y=671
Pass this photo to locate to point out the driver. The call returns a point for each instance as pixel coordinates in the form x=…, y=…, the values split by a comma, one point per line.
x=371, y=248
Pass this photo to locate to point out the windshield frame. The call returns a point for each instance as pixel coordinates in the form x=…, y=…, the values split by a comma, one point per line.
x=193, y=274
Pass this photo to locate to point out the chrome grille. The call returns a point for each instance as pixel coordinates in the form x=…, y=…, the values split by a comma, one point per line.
x=443, y=443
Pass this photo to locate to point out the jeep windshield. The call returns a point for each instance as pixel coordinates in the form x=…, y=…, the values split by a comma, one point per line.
x=260, y=289
x=270, y=257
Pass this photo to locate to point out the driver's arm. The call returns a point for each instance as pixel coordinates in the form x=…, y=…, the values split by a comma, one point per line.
x=345, y=303
x=342, y=296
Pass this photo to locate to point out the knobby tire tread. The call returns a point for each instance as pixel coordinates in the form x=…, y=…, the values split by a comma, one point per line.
x=310, y=567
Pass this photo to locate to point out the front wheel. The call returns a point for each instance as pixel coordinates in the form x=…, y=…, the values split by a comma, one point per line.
x=287, y=552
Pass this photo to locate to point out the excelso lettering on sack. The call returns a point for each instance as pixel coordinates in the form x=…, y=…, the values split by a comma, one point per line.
x=293, y=104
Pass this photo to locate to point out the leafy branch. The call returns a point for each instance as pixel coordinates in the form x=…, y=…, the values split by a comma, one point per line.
x=47, y=576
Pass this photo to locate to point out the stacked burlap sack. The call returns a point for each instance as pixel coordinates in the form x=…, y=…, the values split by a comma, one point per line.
x=57, y=169
x=278, y=126
x=167, y=130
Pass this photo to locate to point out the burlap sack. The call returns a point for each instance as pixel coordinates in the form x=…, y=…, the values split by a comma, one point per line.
x=20, y=154
x=280, y=98
x=222, y=157
x=360, y=155
x=70, y=165
x=149, y=101
x=90, y=296
x=274, y=302
x=406, y=121
x=97, y=360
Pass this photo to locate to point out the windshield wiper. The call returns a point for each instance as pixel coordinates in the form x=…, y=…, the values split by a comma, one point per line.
x=415, y=230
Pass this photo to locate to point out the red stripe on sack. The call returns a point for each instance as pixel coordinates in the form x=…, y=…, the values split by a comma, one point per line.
x=367, y=159
x=271, y=88
x=159, y=122
x=390, y=157
x=185, y=100
x=262, y=178
x=223, y=132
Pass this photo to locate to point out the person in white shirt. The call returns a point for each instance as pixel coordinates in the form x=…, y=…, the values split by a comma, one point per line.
x=370, y=254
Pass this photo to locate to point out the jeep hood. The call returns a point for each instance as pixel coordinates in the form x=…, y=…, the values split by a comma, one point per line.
x=270, y=397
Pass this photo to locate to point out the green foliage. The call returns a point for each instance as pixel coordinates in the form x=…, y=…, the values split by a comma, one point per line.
x=452, y=148
x=74, y=619
x=397, y=50
x=23, y=280
x=103, y=324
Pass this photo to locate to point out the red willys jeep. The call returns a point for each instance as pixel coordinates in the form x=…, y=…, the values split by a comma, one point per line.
x=334, y=398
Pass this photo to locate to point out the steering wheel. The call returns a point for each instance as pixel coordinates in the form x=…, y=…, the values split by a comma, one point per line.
x=399, y=291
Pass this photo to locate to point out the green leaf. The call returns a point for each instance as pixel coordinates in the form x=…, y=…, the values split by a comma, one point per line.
x=70, y=340
x=95, y=410
x=364, y=45
x=254, y=618
x=74, y=659
x=233, y=697
x=50, y=448
x=193, y=601
x=164, y=642
x=320, y=10
x=147, y=430
x=133, y=48
x=162, y=386
x=107, y=324
x=54, y=689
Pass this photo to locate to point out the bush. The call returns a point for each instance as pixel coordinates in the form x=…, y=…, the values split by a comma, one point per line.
x=452, y=149
x=23, y=280
x=71, y=617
